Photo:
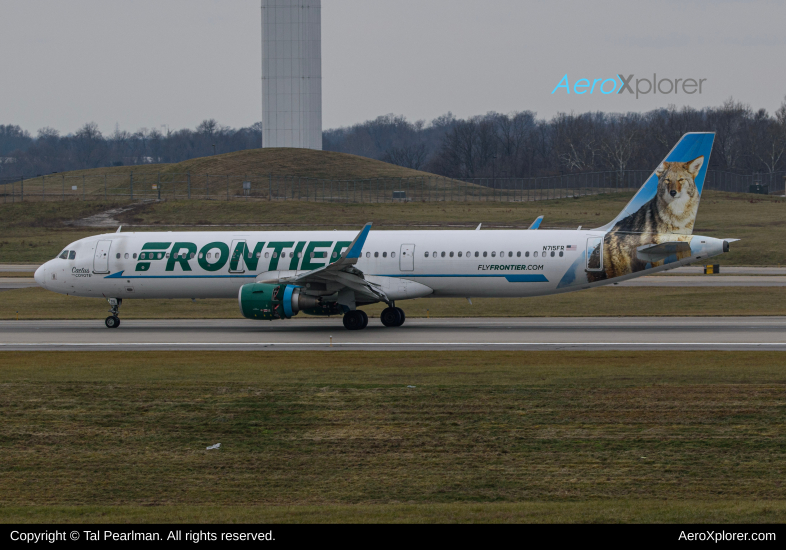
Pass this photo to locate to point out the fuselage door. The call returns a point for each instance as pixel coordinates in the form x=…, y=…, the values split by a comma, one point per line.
x=237, y=263
x=595, y=254
x=101, y=258
x=407, y=259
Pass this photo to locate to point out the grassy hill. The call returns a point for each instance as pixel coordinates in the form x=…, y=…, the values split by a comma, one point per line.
x=274, y=174
x=304, y=163
x=301, y=163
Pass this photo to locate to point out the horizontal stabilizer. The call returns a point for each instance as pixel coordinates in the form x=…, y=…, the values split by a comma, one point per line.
x=657, y=252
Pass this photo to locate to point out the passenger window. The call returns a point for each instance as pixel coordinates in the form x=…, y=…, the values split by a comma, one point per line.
x=451, y=254
x=392, y=254
x=510, y=254
x=468, y=254
x=376, y=254
x=552, y=253
x=126, y=255
x=118, y=255
x=443, y=254
x=368, y=254
x=477, y=254
x=518, y=254
x=485, y=254
x=259, y=254
x=426, y=254
x=560, y=253
x=535, y=254
x=267, y=255
x=526, y=254
x=494, y=254
x=459, y=254
x=63, y=255
x=434, y=254
x=167, y=254
x=384, y=254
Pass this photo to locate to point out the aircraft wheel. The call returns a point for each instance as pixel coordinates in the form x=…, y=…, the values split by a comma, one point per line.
x=365, y=318
x=112, y=321
x=391, y=317
x=403, y=316
x=353, y=320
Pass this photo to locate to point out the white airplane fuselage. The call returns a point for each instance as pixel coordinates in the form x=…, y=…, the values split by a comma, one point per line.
x=407, y=264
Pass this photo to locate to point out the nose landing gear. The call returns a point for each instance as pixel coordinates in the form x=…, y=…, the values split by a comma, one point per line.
x=113, y=321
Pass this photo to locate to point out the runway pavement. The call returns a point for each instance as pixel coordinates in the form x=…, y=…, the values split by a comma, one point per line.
x=708, y=280
x=9, y=283
x=18, y=268
x=619, y=333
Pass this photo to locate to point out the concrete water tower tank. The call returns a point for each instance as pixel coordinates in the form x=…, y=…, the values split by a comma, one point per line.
x=292, y=73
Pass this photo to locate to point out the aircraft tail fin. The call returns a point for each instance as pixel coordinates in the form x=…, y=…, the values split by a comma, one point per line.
x=669, y=199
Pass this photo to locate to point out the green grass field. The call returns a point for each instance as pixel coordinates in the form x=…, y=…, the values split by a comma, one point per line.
x=37, y=303
x=35, y=232
x=482, y=436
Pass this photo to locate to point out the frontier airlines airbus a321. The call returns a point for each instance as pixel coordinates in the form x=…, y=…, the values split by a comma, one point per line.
x=277, y=274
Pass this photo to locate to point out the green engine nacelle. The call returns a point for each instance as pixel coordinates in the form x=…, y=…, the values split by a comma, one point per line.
x=268, y=302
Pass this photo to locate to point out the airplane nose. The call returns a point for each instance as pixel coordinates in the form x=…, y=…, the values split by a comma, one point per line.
x=40, y=276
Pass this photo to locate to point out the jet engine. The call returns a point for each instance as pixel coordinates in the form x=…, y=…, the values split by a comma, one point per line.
x=271, y=301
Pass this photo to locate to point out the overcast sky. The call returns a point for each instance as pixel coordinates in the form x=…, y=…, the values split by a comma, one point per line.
x=147, y=63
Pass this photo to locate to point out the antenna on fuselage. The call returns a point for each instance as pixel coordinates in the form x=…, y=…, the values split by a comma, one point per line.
x=478, y=227
x=118, y=229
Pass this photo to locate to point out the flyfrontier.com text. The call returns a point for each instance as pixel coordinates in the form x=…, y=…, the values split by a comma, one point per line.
x=627, y=84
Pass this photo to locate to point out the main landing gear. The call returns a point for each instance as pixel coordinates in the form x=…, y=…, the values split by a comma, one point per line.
x=355, y=320
x=113, y=321
x=358, y=320
x=393, y=316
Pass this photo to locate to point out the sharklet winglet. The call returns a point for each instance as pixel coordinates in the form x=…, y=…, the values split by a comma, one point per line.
x=536, y=223
x=356, y=247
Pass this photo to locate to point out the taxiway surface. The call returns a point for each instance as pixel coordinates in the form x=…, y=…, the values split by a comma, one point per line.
x=618, y=333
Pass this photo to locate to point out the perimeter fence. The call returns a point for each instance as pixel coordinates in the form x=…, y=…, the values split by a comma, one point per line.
x=147, y=185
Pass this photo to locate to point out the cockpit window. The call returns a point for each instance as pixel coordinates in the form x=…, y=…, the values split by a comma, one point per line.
x=63, y=255
x=72, y=255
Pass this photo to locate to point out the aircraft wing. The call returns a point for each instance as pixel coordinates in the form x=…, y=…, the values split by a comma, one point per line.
x=344, y=272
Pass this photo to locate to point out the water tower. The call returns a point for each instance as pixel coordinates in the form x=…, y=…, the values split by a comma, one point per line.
x=292, y=73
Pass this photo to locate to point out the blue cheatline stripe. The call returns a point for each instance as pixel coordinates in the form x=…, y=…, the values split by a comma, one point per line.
x=120, y=275
x=526, y=278
x=510, y=278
